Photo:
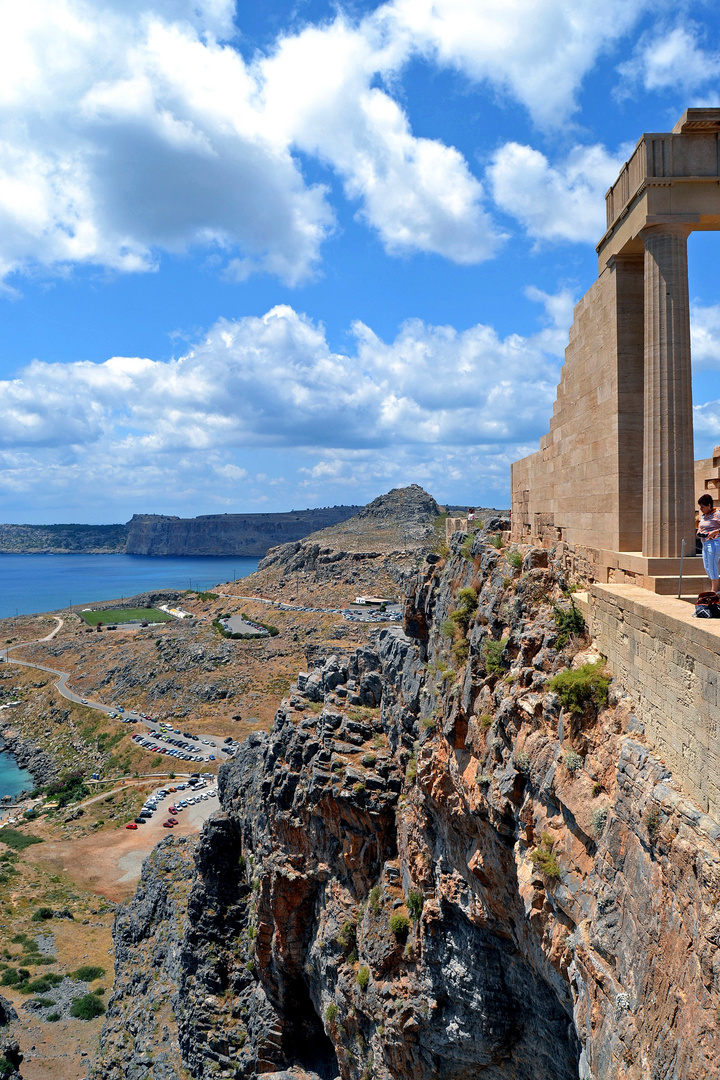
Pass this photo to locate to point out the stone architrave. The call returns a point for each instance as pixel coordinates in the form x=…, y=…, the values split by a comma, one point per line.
x=668, y=465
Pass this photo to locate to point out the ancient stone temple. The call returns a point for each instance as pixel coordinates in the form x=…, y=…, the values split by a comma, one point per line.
x=615, y=479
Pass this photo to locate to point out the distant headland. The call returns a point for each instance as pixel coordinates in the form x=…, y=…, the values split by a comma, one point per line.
x=158, y=534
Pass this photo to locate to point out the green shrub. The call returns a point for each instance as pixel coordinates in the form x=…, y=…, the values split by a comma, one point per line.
x=515, y=559
x=42, y=914
x=492, y=655
x=653, y=821
x=368, y=760
x=497, y=541
x=400, y=926
x=43, y=983
x=6, y=1067
x=577, y=689
x=485, y=719
x=522, y=762
x=9, y=977
x=466, y=549
x=573, y=761
x=544, y=858
x=88, y=973
x=331, y=1013
x=414, y=903
x=347, y=938
x=375, y=899
x=53, y=1016
x=598, y=820
x=358, y=790
x=42, y=1002
x=17, y=840
x=363, y=978
x=569, y=623
x=86, y=1007
x=411, y=772
x=429, y=723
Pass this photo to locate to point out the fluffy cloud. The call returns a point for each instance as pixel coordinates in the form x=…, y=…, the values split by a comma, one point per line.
x=705, y=335
x=130, y=129
x=673, y=59
x=538, y=51
x=556, y=203
x=262, y=385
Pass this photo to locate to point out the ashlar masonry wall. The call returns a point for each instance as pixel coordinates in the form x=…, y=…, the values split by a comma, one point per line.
x=581, y=486
x=670, y=664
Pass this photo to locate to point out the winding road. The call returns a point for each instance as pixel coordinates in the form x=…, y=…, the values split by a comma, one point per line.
x=215, y=742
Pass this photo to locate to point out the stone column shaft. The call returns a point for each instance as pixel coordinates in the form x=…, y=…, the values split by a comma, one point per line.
x=668, y=469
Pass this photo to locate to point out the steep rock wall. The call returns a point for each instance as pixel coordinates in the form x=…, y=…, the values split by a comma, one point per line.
x=226, y=534
x=561, y=915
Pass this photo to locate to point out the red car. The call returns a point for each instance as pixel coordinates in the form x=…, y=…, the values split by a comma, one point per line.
x=169, y=824
x=172, y=810
x=131, y=825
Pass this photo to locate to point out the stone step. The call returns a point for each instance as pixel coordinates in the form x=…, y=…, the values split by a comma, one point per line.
x=668, y=586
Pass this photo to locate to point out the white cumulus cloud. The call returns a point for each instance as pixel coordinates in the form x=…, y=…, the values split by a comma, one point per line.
x=564, y=202
x=128, y=130
x=270, y=384
x=672, y=59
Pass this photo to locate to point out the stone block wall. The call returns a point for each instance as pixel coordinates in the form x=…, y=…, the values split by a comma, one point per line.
x=581, y=486
x=670, y=665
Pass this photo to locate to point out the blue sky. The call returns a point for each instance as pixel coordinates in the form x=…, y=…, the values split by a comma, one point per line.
x=265, y=256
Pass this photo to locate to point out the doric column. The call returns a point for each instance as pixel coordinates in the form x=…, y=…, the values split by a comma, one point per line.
x=668, y=469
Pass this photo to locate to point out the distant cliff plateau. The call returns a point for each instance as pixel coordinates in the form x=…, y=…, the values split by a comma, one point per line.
x=63, y=539
x=156, y=534
x=227, y=534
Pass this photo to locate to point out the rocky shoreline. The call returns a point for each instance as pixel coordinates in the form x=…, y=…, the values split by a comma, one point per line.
x=28, y=755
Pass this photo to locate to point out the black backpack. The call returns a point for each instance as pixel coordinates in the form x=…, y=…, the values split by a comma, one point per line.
x=707, y=606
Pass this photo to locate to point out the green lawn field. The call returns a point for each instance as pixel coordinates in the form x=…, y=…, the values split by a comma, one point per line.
x=92, y=618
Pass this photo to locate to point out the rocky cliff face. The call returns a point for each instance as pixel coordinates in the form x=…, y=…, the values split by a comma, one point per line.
x=431, y=867
x=226, y=534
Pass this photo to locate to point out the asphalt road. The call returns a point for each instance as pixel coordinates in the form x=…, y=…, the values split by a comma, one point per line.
x=213, y=746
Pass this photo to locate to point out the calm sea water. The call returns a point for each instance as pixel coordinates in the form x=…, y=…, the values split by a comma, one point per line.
x=13, y=779
x=35, y=583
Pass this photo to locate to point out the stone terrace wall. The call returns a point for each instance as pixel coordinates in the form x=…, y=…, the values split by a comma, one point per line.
x=670, y=664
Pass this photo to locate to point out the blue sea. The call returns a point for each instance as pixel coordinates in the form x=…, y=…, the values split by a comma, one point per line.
x=13, y=779
x=34, y=583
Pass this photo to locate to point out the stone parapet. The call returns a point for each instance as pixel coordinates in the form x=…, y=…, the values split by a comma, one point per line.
x=669, y=663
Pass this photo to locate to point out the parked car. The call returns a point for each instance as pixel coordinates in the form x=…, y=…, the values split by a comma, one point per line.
x=131, y=825
x=139, y=820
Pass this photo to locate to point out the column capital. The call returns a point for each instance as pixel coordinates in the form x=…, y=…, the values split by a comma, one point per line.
x=651, y=232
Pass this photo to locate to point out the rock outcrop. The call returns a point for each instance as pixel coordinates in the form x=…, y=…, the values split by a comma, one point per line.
x=438, y=864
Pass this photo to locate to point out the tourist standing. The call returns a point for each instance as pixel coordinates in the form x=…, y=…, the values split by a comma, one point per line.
x=709, y=532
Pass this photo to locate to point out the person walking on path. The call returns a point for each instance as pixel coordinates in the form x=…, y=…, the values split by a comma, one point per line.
x=709, y=532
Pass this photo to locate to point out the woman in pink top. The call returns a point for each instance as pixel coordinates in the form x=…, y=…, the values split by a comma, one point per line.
x=709, y=533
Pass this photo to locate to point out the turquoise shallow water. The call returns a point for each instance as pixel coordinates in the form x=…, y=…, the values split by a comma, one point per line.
x=35, y=583
x=13, y=779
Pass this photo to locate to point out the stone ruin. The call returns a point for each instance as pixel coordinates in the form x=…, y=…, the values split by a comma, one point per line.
x=614, y=479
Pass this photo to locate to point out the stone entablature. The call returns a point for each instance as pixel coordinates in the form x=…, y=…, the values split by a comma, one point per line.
x=616, y=471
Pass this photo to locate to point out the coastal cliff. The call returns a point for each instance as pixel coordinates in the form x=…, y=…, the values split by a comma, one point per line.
x=156, y=534
x=226, y=534
x=441, y=862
